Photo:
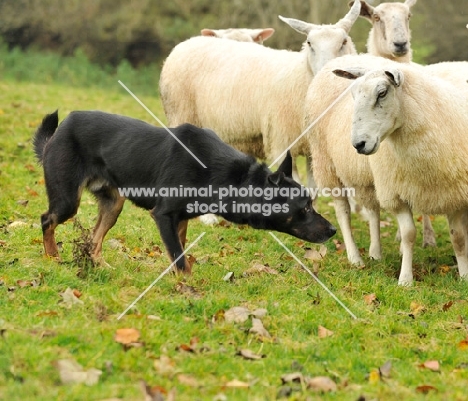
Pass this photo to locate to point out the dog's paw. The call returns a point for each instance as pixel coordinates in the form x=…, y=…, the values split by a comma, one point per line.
x=208, y=219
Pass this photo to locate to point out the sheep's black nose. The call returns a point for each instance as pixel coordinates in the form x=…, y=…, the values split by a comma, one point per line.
x=360, y=146
x=400, y=46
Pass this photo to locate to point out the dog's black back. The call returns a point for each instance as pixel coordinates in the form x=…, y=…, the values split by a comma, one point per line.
x=106, y=152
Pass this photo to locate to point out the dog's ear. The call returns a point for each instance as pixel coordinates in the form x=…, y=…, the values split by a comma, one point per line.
x=276, y=178
x=286, y=165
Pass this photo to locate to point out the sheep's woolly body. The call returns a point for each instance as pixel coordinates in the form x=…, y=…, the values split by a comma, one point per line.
x=425, y=162
x=260, y=95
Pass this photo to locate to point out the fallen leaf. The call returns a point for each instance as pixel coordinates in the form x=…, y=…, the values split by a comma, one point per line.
x=385, y=369
x=321, y=383
x=258, y=268
x=292, y=377
x=257, y=328
x=22, y=202
x=47, y=313
x=248, y=354
x=431, y=365
x=425, y=389
x=236, y=314
x=447, y=306
x=155, y=393
x=463, y=344
x=164, y=365
x=340, y=246
x=218, y=316
x=370, y=299
x=237, y=383
x=17, y=223
x=374, y=376
x=323, y=332
x=187, y=380
x=229, y=276
x=71, y=372
x=69, y=299
x=316, y=255
x=126, y=336
x=31, y=192
x=417, y=308
x=188, y=290
x=259, y=313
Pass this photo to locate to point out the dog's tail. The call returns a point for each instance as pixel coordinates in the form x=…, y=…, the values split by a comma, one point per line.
x=44, y=133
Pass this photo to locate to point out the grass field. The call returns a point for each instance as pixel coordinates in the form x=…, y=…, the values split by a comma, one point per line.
x=407, y=343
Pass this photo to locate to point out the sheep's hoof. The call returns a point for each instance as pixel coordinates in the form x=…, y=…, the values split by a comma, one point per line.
x=429, y=241
x=405, y=282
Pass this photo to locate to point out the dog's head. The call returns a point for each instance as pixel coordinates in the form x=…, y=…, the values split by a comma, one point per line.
x=289, y=208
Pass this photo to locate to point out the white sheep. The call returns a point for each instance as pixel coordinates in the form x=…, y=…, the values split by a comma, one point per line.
x=252, y=96
x=414, y=126
x=240, y=34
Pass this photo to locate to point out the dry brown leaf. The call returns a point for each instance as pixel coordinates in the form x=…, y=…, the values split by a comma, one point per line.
x=321, y=383
x=370, y=299
x=71, y=372
x=126, y=336
x=292, y=377
x=187, y=380
x=340, y=246
x=463, y=344
x=417, y=308
x=425, y=389
x=447, y=306
x=258, y=268
x=316, y=255
x=385, y=369
x=237, y=383
x=69, y=299
x=164, y=365
x=47, y=313
x=257, y=328
x=188, y=290
x=155, y=393
x=431, y=365
x=236, y=314
x=323, y=332
x=248, y=354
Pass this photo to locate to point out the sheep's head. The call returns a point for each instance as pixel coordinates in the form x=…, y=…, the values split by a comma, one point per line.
x=240, y=34
x=377, y=106
x=390, y=36
x=326, y=42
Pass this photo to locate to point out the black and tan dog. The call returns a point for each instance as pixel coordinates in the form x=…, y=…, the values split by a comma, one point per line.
x=107, y=153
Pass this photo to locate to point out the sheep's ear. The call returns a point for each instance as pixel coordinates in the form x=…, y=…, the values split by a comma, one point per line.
x=262, y=34
x=208, y=32
x=352, y=73
x=366, y=10
x=298, y=25
x=286, y=165
x=276, y=178
x=396, y=77
x=410, y=3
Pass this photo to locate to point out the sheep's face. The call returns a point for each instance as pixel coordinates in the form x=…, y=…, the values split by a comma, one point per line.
x=391, y=35
x=326, y=43
x=377, y=109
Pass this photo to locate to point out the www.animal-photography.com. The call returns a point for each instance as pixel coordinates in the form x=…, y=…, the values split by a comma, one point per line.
x=233, y=200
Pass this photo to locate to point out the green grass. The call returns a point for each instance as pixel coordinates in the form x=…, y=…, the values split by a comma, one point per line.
x=36, y=331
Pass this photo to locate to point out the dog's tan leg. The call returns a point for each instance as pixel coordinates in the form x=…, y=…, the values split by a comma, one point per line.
x=109, y=211
x=182, y=230
x=49, y=223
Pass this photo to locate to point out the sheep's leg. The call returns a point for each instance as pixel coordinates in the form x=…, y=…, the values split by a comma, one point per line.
x=343, y=215
x=295, y=172
x=458, y=236
x=375, y=249
x=408, y=237
x=428, y=232
x=310, y=174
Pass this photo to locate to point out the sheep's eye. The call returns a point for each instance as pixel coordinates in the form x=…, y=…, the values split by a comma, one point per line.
x=410, y=15
x=376, y=18
x=345, y=42
x=382, y=94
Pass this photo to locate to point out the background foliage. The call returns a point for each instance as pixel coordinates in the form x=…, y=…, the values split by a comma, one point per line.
x=144, y=31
